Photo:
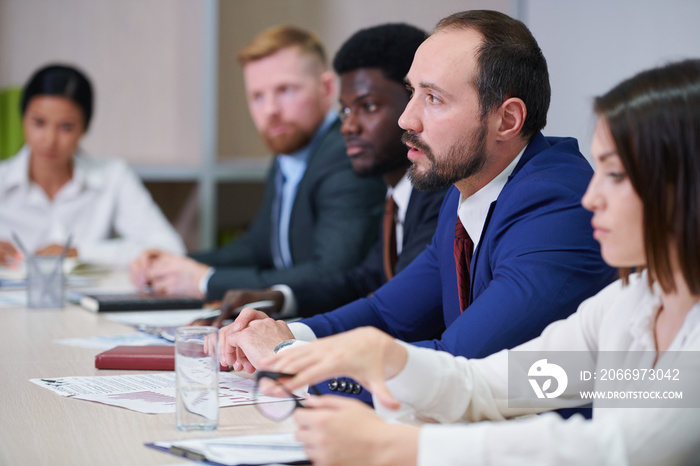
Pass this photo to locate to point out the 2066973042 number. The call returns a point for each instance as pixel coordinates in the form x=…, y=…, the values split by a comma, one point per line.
x=639, y=374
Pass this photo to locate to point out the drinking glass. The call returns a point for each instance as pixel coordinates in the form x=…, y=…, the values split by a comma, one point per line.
x=197, y=374
x=45, y=281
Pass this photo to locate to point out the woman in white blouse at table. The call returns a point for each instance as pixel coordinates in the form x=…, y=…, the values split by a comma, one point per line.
x=52, y=189
x=645, y=199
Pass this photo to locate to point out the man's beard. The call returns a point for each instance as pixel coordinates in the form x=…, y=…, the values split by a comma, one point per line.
x=463, y=160
x=289, y=142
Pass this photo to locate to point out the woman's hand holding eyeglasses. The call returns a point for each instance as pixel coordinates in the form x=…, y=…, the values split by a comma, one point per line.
x=368, y=355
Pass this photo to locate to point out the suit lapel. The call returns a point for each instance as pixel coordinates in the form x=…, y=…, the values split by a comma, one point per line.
x=475, y=257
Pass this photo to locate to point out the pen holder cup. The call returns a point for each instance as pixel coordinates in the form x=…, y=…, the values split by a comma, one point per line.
x=45, y=281
x=197, y=378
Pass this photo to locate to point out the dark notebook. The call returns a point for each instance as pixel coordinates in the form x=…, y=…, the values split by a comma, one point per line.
x=137, y=302
x=153, y=358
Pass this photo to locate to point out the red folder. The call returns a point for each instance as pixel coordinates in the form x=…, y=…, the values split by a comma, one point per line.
x=153, y=358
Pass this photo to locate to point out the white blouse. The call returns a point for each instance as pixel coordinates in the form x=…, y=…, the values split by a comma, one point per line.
x=105, y=207
x=439, y=386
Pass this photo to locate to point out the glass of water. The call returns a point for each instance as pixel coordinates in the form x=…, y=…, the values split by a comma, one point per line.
x=197, y=374
x=45, y=281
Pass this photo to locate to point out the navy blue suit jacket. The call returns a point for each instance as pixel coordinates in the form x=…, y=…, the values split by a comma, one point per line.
x=317, y=296
x=535, y=262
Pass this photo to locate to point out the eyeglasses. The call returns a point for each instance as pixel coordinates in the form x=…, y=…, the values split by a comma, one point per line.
x=268, y=382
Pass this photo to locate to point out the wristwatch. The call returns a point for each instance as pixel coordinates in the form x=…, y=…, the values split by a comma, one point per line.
x=284, y=344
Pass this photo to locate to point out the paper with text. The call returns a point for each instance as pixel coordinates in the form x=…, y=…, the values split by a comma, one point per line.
x=147, y=393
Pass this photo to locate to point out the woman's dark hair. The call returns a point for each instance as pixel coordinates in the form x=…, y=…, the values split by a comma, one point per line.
x=388, y=47
x=511, y=64
x=63, y=81
x=654, y=120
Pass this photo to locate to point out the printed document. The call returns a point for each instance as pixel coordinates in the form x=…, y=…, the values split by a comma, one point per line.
x=147, y=393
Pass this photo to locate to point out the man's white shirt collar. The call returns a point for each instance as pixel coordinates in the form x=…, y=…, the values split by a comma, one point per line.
x=401, y=194
x=473, y=210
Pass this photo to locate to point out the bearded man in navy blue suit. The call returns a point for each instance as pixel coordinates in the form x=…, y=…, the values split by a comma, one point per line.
x=480, y=97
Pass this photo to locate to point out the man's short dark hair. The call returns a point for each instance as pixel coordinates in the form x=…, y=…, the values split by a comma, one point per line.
x=511, y=64
x=388, y=47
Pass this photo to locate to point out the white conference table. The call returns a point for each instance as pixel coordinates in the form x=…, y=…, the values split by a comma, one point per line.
x=38, y=427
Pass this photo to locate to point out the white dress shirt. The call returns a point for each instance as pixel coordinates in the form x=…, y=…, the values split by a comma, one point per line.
x=448, y=389
x=402, y=195
x=106, y=210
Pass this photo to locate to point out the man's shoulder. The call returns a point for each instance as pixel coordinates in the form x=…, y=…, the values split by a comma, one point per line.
x=553, y=155
x=550, y=165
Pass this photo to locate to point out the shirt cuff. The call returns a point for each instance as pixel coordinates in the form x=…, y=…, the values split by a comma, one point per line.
x=204, y=281
x=302, y=332
x=289, y=306
x=416, y=382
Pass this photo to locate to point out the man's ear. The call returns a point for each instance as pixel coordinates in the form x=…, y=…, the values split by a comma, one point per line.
x=329, y=83
x=511, y=117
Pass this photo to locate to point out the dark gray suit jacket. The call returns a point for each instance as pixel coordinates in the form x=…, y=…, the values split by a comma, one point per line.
x=334, y=222
x=317, y=296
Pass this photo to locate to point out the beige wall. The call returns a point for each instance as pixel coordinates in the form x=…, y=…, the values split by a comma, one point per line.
x=591, y=46
x=146, y=59
x=333, y=20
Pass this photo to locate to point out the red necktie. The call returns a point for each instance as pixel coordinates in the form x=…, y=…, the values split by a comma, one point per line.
x=463, y=257
x=389, y=231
